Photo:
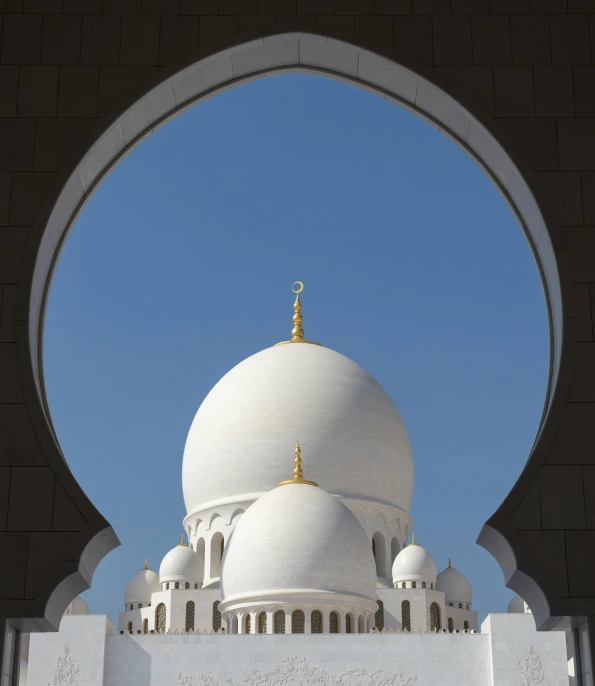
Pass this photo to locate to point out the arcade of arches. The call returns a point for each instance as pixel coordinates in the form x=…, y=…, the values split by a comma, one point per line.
x=82, y=83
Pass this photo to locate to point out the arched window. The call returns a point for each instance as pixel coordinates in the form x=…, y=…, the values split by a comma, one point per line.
x=406, y=615
x=160, y=617
x=145, y=626
x=451, y=605
x=423, y=584
x=167, y=587
x=279, y=622
x=187, y=584
x=140, y=605
x=435, y=617
x=334, y=623
x=195, y=585
x=216, y=616
x=466, y=625
x=129, y=626
x=403, y=585
x=177, y=586
x=379, y=550
x=316, y=622
x=200, y=551
x=190, y=615
x=414, y=584
x=348, y=624
x=298, y=622
x=360, y=625
x=394, y=549
x=460, y=606
x=262, y=623
x=379, y=616
x=451, y=625
x=248, y=624
x=217, y=544
x=467, y=605
x=432, y=585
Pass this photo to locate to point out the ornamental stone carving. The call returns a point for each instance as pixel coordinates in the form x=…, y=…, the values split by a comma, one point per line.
x=531, y=669
x=66, y=672
x=295, y=671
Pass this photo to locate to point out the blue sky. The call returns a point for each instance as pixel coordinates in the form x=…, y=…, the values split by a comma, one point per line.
x=180, y=265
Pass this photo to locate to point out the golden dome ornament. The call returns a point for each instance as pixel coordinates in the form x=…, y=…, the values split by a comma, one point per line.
x=297, y=333
x=298, y=474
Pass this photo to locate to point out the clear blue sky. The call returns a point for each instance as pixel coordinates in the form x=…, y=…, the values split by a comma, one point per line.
x=179, y=267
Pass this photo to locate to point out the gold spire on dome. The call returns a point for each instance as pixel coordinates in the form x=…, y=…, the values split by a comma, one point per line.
x=298, y=474
x=297, y=333
x=183, y=542
x=146, y=563
x=413, y=539
x=449, y=563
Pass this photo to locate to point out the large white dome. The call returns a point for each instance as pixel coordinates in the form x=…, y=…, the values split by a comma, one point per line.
x=298, y=540
x=350, y=430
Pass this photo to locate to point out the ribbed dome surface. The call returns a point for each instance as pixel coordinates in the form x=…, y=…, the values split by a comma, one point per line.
x=348, y=427
x=298, y=538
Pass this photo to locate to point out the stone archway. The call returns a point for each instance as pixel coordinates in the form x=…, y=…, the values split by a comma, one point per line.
x=513, y=533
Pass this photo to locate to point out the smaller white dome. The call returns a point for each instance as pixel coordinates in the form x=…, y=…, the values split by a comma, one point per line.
x=454, y=585
x=77, y=607
x=414, y=563
x=298, y=541
x=141, y=586
x=180, y=564
x=518, y=606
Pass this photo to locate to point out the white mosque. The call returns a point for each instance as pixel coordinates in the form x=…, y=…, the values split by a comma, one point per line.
x=304, y=577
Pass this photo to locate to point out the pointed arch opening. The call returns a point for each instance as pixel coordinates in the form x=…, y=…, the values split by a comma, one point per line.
x=298, y=622
x=160, y=618
x=316, y=622
x=379, y=549
x=334, y=622
x=406, y=615
x=190, y=607
x=279, y=622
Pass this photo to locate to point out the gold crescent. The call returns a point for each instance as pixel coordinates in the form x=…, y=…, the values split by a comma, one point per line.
x=300, y=287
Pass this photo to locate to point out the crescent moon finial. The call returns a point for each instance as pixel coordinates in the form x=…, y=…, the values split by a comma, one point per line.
x=299, y=289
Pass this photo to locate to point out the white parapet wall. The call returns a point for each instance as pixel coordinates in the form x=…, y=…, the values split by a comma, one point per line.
x=509, y=652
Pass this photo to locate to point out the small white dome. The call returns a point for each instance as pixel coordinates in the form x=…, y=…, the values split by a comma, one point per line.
x=414, y=563
x=454, y=585
x=180, y=564
x=141, y=586
x=298, y=540
x=77, y=607
x=518, y=606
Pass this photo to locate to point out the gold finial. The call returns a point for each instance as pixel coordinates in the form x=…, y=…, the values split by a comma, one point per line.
x=297, y=333
x=413, y=539
x=449, y=563
x=146, y=563
x=182, y=542
x=298, y=474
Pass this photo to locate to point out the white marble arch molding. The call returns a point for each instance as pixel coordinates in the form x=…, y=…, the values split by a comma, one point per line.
x=295, y=48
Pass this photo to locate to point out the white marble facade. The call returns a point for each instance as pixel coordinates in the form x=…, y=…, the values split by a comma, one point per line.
x=508, y=652
x=304, y=578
